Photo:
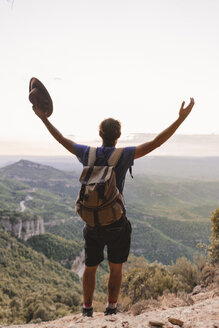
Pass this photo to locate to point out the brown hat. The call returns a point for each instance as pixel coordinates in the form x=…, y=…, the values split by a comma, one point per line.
x=39, y=96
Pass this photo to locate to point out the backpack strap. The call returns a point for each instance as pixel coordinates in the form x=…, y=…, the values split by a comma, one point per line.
x=92, y=156
x=115, y=156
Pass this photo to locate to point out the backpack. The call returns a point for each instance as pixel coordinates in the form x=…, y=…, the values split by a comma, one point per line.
x=99, y=202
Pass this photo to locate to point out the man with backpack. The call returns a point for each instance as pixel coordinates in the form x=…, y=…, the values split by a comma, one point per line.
x=100, y=201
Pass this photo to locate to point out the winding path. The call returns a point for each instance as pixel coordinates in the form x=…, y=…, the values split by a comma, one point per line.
x=27, y=198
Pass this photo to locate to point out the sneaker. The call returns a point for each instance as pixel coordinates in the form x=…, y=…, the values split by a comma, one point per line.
x=87, y=312
x=110, y=311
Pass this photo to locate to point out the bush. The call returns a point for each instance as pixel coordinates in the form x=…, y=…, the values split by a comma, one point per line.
x=16, y=304
x=148, y=283
x=42, y=313
x=39, y=307
x=154, y=279
x=186, y=273
x=71, y=299
x=214, y=247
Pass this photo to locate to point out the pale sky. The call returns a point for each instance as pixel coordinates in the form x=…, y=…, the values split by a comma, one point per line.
x=134, y=60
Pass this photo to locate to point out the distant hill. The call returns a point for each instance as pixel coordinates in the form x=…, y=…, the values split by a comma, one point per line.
x=186, y=167
x=27, y=170
x=64, y=163
x=180, y=199
x=42, y=176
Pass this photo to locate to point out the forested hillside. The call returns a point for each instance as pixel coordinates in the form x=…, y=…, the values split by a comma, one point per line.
x=56, y=248
x=32, y=286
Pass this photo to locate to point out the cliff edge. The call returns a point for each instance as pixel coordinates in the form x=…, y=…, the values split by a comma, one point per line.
x=200, y=310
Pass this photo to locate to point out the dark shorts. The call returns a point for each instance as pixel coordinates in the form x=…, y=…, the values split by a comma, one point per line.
x=117, y=238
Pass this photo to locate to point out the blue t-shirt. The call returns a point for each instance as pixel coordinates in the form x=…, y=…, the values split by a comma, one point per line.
x=102, y=155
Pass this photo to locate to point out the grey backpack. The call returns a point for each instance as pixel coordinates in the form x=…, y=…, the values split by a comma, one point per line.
x=99, y=202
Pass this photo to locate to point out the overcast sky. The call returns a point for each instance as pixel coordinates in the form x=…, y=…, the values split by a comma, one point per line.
x=134, y=60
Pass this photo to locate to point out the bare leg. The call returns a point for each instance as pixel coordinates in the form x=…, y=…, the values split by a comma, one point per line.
x=89, y=282
x=115, y=280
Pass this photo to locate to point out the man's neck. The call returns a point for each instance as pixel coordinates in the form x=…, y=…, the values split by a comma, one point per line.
x=108, y=145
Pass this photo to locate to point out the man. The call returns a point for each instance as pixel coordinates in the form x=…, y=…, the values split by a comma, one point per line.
x=116, y=235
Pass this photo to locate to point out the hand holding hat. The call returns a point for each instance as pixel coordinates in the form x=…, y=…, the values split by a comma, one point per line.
x=40, y=97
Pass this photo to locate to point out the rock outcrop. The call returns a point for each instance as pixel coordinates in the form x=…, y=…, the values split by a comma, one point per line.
x=78, y=264
x=23, y=227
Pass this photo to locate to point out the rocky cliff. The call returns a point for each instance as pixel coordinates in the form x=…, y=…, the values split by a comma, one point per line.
x=23, y=226
x=78, y=264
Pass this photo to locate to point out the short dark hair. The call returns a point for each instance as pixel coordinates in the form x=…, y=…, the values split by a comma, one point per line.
x=110, y=131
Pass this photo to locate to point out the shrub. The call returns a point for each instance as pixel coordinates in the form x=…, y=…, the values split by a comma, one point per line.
x=214, y=247
x=154, y=279
x=71, y=299
x=148, y=283
x=39, y=307
x=186, y=273
x=42, y=313
x=16, y=304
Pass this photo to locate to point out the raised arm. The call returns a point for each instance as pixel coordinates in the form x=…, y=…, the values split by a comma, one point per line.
x=147, y=147
x=67, y=143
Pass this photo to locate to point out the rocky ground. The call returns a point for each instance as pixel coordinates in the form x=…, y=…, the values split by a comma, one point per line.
x=197, y=310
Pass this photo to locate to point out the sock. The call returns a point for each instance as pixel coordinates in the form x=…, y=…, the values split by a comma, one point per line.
x=87, y=306
x=111, y=305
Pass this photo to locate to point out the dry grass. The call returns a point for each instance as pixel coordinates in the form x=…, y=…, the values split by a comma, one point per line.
x=143, y=306
x=167, y=300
